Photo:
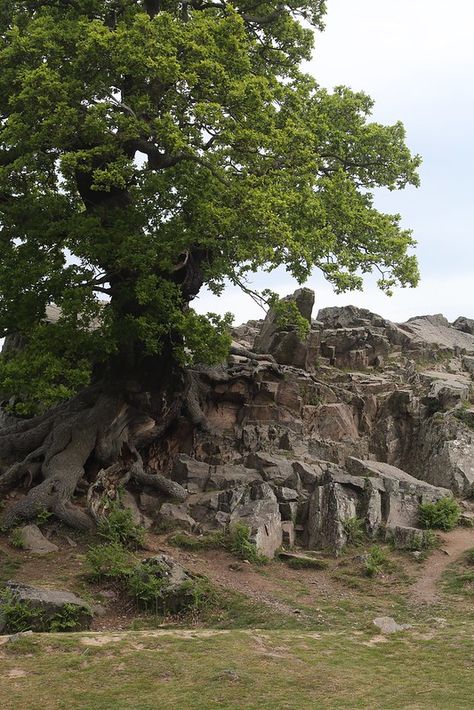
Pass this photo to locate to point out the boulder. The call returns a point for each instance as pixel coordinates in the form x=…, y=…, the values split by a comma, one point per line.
x=429, y=333
x=465, y=325
x=263, y=519
x=46, y=609
x=176, y=593
x=176, y=516
x=387, y=625
x=334, y=422
x=407, y=538
x=442, y=453
x=283, y=341
x=330, y=506
x=33, y=540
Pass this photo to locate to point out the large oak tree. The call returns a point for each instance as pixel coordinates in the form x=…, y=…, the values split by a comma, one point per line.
x=149, y=148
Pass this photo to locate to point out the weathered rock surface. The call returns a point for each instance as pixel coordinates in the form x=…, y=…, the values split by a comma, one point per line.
x=33, y=540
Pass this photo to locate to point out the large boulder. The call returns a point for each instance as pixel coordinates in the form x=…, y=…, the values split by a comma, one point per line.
x=442, y=453
x=42, y=609
x=283, y=341
x=466, y=325
x=263, y=519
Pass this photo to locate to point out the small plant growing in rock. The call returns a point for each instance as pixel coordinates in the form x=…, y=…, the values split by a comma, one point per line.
x=442, y=515
x=17, y=539
x=354, y=531
x=241, y=545
x=42, y=516
x=119, y=527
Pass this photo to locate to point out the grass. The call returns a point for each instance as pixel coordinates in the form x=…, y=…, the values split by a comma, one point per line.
x=240, y=669
x=236, y=540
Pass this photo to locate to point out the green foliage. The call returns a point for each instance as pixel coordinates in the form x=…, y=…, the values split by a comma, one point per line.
x=236, y=540
x=470, y=557
x=240, y=544
x=42, y=516
x=68, y=619
x=442, y=515
x=118, y=527
x=377, y=562
x=16, y=538
x=109, y=561
x=144, y=154
x=17, y=615
x=145, y=584
x=287, y=314
x=21, y=615
x=354, y=530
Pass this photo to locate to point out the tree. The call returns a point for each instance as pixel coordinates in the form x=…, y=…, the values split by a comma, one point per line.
x=148, y=148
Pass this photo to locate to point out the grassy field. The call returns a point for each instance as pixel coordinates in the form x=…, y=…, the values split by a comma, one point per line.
x=424, y=667
x=272, y=637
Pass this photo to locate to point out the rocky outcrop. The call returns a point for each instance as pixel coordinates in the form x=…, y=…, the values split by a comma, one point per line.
x=364, y=420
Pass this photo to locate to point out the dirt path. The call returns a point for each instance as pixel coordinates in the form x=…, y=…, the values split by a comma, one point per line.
x=453, y=545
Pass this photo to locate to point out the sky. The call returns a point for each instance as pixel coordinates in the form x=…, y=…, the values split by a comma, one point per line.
x=415, y=58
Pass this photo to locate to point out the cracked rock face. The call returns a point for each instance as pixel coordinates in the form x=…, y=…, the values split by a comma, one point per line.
x=365, y=419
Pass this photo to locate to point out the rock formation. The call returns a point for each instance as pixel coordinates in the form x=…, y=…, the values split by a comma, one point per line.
x=369, y=420
x=363, y=419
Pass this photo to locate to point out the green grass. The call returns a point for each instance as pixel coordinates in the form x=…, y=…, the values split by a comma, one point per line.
x=241, y=669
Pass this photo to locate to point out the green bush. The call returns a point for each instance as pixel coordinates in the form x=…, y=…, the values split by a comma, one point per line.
x=110, y=561
x=118, y=527
x=442, y=515
x=354, y=530
x=145, y=585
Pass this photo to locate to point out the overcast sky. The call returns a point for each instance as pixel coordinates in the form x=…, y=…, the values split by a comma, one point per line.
x=416, y=59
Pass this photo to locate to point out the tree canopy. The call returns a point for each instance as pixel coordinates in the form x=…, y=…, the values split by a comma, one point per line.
x=148, y=148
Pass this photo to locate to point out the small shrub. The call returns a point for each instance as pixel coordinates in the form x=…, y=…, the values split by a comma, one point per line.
x=442, y=515
x=470, y=557
x=42, y=516
x=377, y=562
x=17, y=539
x=67, y=620
x=145, y=586
x=241, y=545
x=110, y=561
x=118, y=527
x=354, y=531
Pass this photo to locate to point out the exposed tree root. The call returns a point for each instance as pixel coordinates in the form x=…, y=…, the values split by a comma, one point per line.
x=96, y=431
